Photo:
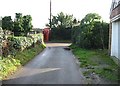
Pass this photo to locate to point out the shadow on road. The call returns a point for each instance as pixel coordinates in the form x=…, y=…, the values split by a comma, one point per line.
x=36, y=76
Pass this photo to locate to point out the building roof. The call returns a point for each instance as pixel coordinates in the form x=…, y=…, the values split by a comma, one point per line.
x=115, y=10
x=114, y=4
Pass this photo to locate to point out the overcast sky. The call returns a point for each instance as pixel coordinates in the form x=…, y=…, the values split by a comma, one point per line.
x=39, y=9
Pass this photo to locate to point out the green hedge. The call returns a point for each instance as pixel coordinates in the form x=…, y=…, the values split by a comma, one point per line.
x=16, y=44
x=19, y=43
x=97, y=38
x=61, y=34
x=37, y=37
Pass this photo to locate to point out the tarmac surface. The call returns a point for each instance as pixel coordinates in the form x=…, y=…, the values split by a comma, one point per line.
x=55, y=65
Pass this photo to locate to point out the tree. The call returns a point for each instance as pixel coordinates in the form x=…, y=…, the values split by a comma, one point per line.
x=92, y=32
x=7, y=23
x=18, y=25
x=61, y=26
x=75, y=21
x=65, y=20
x=87, y=27
x=62, y=20
x=22, y=24
x=27, y=23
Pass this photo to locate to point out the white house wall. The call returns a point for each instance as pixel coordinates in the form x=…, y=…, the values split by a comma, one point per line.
x=114, y=44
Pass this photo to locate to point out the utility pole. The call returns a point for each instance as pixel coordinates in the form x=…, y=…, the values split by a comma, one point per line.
x=50, y=21
x=50, y=15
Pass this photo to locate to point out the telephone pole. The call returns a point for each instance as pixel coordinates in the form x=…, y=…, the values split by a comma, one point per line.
x=50, y=14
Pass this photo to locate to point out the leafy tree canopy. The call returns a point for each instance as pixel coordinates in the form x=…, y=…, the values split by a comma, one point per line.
x=92, y=32
x=22, y=24
x=27, y=23
x=62, y=21
x=7, y=23
x=18, y=23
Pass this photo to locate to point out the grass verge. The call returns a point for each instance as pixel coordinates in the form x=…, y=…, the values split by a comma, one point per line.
x=97, y=61
x=10, y=64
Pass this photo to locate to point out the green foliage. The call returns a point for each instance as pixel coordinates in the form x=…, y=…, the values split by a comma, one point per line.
x=7, y=23
x=18, y=44
x=20, y=51
x=61, y=26
x=27, y=23
x=8, y=65
x=11, y=64
x=75, y=35
x=21, y=25
x=62, y=21
x=37, y=37
x=28, y=54
x=61, y=34
x=18, y=25
x=92, y=33
x=96, y=61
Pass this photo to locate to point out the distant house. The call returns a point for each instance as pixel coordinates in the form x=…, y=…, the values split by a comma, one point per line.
x=114, y=43
x=35, y=31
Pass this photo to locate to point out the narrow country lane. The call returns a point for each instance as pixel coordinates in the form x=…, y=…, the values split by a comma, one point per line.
x=54, y=65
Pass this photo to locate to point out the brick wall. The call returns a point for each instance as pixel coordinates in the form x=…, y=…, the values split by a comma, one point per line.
x=115, y=12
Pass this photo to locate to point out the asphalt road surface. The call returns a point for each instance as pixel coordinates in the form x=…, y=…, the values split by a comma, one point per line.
x=54, y=65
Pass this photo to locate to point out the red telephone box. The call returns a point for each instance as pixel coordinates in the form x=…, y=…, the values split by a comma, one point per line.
x=46, y=33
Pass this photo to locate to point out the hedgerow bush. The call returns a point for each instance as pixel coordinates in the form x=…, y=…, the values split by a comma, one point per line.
x=20, y=52
x=20, y=43
x=61, y=34
x=37, y=37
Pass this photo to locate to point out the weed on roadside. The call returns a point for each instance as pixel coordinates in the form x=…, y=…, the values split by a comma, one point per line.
x=98, y=62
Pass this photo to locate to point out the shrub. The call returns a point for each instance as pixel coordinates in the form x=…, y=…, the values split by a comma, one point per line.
x=19, y=43
x=37, y=38
x=61, y=34
x=92, y=33
x=16, y=44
